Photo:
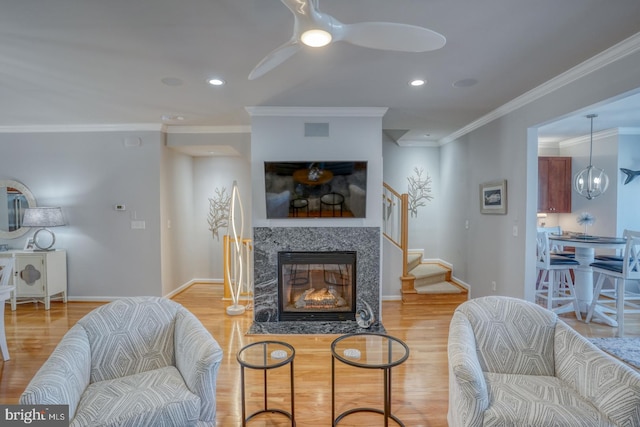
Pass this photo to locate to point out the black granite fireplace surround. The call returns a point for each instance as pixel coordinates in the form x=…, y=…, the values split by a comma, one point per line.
x=270, y=241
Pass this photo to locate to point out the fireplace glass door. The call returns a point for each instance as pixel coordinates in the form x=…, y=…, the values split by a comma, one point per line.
x=316, y=285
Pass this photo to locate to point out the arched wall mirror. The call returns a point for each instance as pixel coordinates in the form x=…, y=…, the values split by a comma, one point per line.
x=15, y=197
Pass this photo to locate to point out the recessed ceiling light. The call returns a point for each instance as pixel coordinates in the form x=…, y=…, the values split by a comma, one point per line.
x=172, y=118
x=464, y=83
x=315, y=38
x=216, y=82
x=171, y=81
x=417, y=82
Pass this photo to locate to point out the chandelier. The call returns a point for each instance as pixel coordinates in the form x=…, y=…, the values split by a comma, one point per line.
x=591, y=182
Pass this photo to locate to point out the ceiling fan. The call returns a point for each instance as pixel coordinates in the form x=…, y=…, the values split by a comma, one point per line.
x=315, y=29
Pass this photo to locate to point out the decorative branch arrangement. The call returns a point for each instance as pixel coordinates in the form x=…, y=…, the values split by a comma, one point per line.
x=219, y=211
x=419, y=191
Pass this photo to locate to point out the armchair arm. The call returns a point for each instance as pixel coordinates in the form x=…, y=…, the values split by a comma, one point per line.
x=198, y=358
x=610, y=385
x=468, y=394
x=64, y=376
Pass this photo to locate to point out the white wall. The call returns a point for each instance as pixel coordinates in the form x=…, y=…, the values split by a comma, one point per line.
x=628, y=203
x=354, y=134
x=211, y=173
x=506, y=148
x=399, y=165
x=177, y=220
x=87, y=174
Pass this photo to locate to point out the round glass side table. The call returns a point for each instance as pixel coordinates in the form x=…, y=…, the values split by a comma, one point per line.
x=332, y=200
x=266, y=355
x=368, y=351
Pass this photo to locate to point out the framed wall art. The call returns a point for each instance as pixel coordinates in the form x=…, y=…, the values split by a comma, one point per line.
x=493, y=197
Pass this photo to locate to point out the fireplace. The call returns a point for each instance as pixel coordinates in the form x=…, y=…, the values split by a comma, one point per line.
x=317, y=286
x=269, y=242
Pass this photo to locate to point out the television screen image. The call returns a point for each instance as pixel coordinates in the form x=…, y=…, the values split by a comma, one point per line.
x=315, y=189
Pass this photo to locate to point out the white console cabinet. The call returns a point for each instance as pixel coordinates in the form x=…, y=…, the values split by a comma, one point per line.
x=39, y=275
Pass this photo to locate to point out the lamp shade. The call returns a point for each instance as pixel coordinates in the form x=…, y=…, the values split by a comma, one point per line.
x=43, y=217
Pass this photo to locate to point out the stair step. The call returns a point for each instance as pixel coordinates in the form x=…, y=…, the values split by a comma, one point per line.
x=427, y=274
x=413, y=260
x=430, y=283
x=433, y=299
x=443, y=287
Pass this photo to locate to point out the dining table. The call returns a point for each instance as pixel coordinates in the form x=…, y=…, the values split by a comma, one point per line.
x=585, y=248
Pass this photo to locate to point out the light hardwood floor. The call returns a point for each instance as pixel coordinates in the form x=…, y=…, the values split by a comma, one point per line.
x=419, y=389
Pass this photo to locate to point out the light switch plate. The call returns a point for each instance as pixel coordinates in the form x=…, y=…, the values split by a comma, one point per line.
x=138, y=224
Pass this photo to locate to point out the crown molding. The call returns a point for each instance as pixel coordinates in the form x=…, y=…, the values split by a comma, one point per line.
x=607, y=133
x=129, y=127
x=317, y=111
x=206, y=129
x=416, y=143
x=629, y=131
x=616, y=52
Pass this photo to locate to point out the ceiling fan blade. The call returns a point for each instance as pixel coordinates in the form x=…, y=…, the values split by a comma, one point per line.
x=275, y=58
x=298, y=7
x=392, y=36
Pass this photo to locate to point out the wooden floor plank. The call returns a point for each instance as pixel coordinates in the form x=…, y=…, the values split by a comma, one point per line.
x=419, y=389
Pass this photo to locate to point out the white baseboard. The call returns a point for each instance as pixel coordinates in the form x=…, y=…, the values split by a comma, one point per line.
x=464, y=285
x=193, y=282
x=169, y=295
x=439, y=261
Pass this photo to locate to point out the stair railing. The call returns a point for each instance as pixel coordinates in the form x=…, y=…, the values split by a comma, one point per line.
x=395, y=221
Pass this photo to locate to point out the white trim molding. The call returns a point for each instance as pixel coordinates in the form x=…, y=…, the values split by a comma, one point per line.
x=317, y=111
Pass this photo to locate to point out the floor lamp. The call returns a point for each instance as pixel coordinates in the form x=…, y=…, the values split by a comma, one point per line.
x=236, y=281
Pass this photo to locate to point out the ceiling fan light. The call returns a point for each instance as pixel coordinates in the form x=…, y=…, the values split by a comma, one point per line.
x=316, y=38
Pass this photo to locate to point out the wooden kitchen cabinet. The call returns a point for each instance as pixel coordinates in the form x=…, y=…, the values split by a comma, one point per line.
x=554, y=184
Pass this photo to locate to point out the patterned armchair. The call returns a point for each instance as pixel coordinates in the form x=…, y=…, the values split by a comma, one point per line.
x=514, y=363
x=143, y=361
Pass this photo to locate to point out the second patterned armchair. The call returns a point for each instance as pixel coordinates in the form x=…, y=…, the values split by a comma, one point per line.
x=514, y=363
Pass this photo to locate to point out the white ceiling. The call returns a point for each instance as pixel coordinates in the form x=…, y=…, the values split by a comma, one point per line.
x=102, y=62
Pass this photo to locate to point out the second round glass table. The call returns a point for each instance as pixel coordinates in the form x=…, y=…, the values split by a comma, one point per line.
x=368, y=351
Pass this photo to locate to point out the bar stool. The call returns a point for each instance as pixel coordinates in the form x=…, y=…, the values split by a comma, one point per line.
x=617, y=301
x=556, y=284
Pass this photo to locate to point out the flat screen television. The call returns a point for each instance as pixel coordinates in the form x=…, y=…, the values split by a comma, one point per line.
x=316, y=189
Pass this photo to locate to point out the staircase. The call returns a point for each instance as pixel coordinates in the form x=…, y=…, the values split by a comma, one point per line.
x=422, y=283
x=429, y=283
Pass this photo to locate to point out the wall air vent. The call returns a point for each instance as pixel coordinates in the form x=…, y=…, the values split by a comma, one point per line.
x=316, y=129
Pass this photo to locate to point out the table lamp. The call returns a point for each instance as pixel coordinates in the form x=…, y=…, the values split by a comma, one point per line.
x=43, y=217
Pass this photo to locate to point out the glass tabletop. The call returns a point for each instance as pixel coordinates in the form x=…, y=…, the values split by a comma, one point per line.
x=266, y=354
x=588, y=238
x=368, y=350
